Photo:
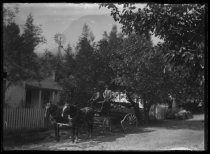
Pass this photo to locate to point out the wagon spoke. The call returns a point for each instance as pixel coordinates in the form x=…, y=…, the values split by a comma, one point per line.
x=129, y=122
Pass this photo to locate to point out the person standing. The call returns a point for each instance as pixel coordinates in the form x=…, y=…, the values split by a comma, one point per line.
x=107, y=94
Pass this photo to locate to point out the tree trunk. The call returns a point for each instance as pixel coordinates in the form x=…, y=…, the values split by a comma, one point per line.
x=146, y=112
x=169, y=104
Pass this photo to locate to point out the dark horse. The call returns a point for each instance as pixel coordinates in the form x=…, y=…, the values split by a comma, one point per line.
x=79, y=117
x=53, y=112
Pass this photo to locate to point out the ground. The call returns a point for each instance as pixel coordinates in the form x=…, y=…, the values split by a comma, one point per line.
x=159, y=135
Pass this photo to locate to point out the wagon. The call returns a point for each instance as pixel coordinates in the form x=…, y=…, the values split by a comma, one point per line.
x=119, y=112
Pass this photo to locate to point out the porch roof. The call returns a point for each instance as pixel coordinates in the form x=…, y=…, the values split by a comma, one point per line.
x=45, y=84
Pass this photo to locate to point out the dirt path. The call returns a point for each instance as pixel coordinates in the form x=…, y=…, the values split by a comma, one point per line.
x=163, y=135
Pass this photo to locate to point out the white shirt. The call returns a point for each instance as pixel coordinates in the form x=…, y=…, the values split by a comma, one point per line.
x=107, y=94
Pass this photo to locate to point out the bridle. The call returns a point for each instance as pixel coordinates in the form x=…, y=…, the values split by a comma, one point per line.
x=68, y=107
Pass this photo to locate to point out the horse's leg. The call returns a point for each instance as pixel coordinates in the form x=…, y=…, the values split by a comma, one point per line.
x=58, y=132
x=77, y=132
x=55, y=131
x=73, y=133
x=88, y=130
x=91, y=129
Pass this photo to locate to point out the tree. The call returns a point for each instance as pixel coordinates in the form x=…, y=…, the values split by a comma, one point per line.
x=87, y=33
x=83, y=69
x=9, y=15
x=13, y=44
x=32, y=35
x=139, y=68
x=181, y=26
x=105, y=54
x=68, y=80
x=31, y=39
x=47, y=64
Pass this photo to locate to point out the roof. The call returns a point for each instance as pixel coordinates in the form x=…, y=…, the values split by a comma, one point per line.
x=45, y=84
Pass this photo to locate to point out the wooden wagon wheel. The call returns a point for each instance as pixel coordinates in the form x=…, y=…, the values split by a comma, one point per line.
x=129, y=122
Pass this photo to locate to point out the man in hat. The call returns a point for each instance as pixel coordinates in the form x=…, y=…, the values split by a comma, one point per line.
x=107, y=101
x=107, y=94
x=95, y=97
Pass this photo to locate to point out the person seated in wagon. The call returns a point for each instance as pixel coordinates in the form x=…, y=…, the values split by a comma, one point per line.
x=107, y=94
x=95, y=97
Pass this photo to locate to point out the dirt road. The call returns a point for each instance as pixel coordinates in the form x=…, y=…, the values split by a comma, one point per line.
x=162, y=135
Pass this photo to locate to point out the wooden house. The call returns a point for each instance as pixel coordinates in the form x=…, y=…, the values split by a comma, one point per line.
x=24, y=103
x=32, y=94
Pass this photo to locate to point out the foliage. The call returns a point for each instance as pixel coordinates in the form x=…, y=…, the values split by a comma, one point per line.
x=20, y=61
x=9, y=14
x=139, y=67
x=105, y=54
x=85, y=60
x=47, y=64
x=181, y=26
x=127, y=60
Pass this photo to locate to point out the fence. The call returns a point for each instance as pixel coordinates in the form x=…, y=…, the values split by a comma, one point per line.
x=20, y=118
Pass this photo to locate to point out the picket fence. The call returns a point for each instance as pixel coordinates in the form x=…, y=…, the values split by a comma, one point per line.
x=19, y=118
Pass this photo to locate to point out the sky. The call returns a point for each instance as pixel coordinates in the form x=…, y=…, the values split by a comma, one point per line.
x=56, y=17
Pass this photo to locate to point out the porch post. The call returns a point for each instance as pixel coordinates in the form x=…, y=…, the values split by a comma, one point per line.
x=40, y=98
x=53, y=96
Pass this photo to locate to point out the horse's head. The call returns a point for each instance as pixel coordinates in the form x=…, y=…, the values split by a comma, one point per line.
x=65, y=110
x=69, y=110
x=49, y=108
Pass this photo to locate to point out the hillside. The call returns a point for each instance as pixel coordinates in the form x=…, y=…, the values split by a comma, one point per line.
x=97, y=23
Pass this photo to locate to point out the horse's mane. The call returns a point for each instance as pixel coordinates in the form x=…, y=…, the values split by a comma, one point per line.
x=57, y=113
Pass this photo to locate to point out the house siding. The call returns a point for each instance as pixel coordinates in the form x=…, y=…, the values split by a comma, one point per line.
x=15, y=96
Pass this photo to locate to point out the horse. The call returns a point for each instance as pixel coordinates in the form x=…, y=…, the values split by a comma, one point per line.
x=79, y=117
x=53, y=112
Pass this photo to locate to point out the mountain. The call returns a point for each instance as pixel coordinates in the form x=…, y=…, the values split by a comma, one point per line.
x=97, y=23
x=72, y=29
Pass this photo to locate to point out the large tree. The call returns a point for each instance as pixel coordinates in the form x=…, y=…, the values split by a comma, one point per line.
x=182, y=27
x=84, y=64
x=14, y=47
x=32, y=37
x=139, y=68
x=105, y=54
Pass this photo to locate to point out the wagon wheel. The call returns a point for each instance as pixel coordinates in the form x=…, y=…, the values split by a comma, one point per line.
x=129, y=122
x=107, y=124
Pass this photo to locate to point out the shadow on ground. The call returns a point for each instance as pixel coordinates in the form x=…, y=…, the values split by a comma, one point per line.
x=98, y=137
x=192, y=124
x=46, y=139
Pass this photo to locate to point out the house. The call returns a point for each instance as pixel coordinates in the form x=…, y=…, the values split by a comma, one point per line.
x=32, y=94
x=24, y=103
